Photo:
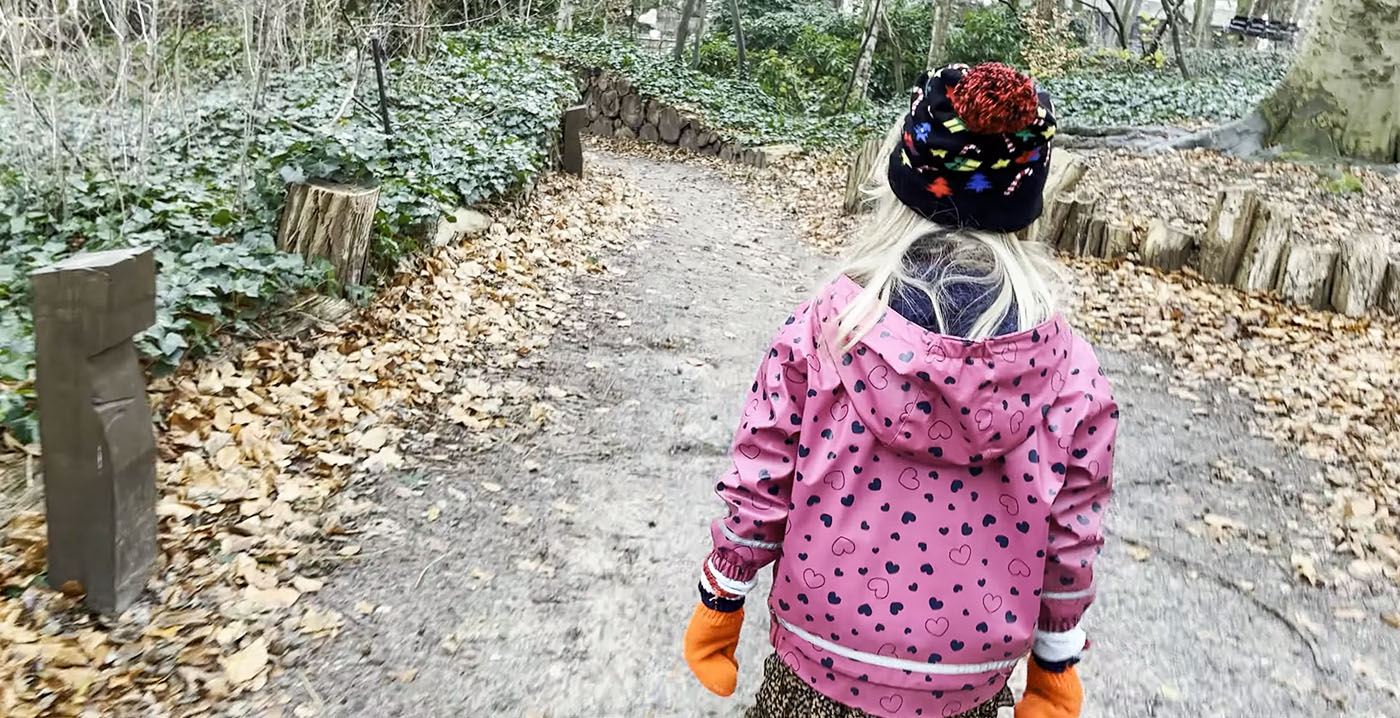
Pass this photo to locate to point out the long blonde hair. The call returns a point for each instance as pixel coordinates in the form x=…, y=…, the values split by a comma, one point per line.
x=896, y=242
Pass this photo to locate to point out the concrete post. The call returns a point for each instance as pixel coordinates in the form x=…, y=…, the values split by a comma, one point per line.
x=572, y=154
x=95, y=423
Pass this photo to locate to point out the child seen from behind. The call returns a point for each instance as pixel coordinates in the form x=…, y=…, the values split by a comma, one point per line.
x=926, y=454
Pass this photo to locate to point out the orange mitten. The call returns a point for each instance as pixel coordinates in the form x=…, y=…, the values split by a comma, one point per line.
x=1050, y=695
x=710, y=643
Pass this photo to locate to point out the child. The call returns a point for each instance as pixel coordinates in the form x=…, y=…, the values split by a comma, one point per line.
x=925, y=454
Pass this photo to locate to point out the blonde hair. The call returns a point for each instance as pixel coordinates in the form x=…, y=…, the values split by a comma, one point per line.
x=896, y=242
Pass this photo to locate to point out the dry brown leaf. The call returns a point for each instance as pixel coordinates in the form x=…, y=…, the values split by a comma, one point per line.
x=246, y=664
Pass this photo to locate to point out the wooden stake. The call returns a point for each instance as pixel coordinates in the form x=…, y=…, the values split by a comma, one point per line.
x=1167, y=247
x=1228, y=232
x=1268, y=237
x=1305, y=273
x=1360, y=271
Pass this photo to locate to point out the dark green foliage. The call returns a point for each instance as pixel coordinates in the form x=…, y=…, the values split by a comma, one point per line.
x=740, y=110
x=991, y=34
x=802, y=53
x=1225, y=85
x=470, y=124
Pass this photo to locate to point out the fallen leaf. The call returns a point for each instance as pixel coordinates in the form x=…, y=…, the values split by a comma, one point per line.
x=1138, y=551
x=407, y=675
x=1391, y=619
x=245, y=665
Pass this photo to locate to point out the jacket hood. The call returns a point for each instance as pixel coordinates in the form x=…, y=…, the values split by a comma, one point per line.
x=916, y=390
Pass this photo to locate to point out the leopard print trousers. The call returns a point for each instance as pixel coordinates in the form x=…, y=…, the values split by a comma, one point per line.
x=785, y=695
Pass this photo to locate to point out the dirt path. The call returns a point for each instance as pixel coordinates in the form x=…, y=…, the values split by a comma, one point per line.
x=557, y=579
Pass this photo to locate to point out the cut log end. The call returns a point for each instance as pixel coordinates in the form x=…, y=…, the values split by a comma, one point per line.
x=329, y=221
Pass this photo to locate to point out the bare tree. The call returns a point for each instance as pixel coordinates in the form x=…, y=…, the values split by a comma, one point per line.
x=1201, y=23
x=739, y=37
x=683, y=29
x=859, y=83
x=938, y=32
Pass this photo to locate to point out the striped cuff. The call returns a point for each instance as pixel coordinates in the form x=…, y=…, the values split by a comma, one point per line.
x=721, y=584
x=718, y=603
x=1057, y=647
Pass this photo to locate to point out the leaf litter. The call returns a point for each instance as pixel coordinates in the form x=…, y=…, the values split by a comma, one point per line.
x=260, y=448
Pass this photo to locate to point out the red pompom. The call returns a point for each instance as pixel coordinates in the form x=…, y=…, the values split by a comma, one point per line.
x=994, y=99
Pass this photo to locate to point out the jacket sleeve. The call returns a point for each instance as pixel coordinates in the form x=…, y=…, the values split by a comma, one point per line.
x=757, y=488
x=1076, y=535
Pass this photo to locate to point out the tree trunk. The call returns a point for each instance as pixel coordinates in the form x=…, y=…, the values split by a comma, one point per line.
x=1341, y=95
x=1177, y=18
x=1201, y=23
x=564, y=18
x=739, y=37
x=938, y=32
x=329, y=221
x=1045, y=10
x=683, y=30
x=860, y=75
x=701, y=14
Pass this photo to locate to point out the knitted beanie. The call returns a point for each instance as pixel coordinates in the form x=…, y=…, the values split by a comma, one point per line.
x=975, y=149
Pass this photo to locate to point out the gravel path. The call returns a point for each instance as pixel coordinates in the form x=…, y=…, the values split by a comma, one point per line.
x=558, y=578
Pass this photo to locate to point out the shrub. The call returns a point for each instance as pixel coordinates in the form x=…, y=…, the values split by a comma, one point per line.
x=470, y=124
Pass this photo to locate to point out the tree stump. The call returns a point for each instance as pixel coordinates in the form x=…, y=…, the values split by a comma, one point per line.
x=1118, y=240
x=726, y=152
x=1098, y=230
x=1167, y=247
x=322, y=220
x=648, y=133
x=624, y=133
x=609, y=102
x=1227, y=234
x=99, y=446
x=653, y=112
x=1268, y=238
x=858, y=171
x=1390, y=295
x=688, y=139
x=1360, y=272
x=670, y=125
x=1053, y=221
x=1074, y=238
x=1305, y=273
x=1066, y=169
x=590, y=100
x=600, y=127
x=631, y=112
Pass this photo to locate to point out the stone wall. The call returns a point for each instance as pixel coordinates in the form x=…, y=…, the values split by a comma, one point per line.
x=617, y=109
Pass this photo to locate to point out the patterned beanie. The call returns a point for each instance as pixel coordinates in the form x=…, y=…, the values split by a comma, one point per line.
x=975, y=149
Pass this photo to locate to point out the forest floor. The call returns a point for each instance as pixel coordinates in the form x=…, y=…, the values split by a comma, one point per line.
x=487, y=493
x=551, y=575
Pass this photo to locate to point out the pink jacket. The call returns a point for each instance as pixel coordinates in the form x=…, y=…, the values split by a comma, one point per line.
x=928, y=502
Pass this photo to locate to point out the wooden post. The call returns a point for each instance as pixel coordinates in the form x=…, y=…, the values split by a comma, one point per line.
x=1117, y=240
x=95, y=423
x=1167, y=247
x=1227, y=234
x=1259, y=265
x=1305, y=273
x=1052, y=222
x=1390, y=295
x=858, y=171
x=322, y=220
x=571, y=156
x=1075, y=237
x=1360, y=271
